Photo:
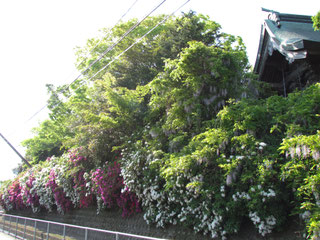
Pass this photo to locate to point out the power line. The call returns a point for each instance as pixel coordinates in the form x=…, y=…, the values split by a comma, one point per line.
x=88, y=54
x=36, y=113
x=138, y=40
x=108, y=32
x=116, y=43
x=116, y=58
x=104, y=53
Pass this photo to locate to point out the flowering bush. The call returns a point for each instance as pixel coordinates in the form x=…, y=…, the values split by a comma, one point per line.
x=80, y=185
x=62, y=202
x=180, y=192
x=30, y=199
x=39, y=188
x=107, y=185
x=13, y=198
x=128, y=202
x=231, y=169
x=301, y=172
x=174, y=204
x=78, y=164
x=64, y=183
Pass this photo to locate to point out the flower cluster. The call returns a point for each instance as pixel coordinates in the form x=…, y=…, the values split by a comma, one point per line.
x=242, y=195
x=64, y=183
x=39, y=188
x=107, y=185
x=182, y=203
x=31, y=200
x=62, y=202
x=76, y=158
x=14, y=198
x=128, y=202
x=264, y=226
x=80, y=185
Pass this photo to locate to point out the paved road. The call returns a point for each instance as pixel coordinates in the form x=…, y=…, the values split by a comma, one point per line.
x=4, y=236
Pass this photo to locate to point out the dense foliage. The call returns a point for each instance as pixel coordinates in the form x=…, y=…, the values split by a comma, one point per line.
x=316, y=21
x=257, y=159
x=175, y=128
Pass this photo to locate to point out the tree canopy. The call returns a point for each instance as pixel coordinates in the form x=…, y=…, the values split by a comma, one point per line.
x=100, y=114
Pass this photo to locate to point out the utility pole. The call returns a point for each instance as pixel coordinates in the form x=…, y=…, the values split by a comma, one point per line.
x=23, y=159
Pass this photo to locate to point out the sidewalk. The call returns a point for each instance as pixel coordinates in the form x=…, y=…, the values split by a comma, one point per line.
x=4, y=236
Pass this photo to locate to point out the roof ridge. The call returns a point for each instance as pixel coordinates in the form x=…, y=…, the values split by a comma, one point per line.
x=295, y=18
x=287, y=17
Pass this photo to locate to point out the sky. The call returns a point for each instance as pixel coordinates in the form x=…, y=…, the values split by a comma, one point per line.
x=38, y=40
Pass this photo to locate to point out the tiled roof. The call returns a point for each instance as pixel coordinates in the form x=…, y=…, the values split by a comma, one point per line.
x=292, y=35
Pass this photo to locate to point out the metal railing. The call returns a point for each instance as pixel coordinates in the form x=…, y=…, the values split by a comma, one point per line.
x=31, y=228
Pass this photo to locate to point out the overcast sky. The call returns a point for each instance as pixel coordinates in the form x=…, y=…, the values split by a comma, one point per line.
x=38, y=38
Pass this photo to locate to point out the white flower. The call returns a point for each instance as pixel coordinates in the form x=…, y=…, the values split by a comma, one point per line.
x=271, y=220
x=234, y=197
x=262, y=144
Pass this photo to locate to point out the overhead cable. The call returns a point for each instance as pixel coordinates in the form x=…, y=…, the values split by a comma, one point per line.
x=116, y=43
x=108, y=32
x=103, y=54
x=138, y=40
x=88, y=54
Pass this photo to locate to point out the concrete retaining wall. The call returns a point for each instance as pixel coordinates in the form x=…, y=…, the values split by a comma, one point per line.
x=112, y=220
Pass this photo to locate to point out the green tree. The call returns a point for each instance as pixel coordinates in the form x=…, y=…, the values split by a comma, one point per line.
x=195, y=86
x=103, y=117
x=316, y=21
x=106, y=113
x=114, y=106
x=143, y=62
x=50, y=135
x=46, y=142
